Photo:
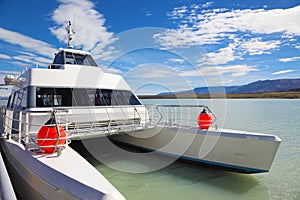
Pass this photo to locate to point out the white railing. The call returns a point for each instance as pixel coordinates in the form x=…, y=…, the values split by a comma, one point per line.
x=177, y=115
x=107, y=120
x=17, y=126
x=83, y=122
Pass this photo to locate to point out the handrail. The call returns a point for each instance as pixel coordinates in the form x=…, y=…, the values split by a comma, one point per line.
x=17, y=126
x=177, y=115
x=193, y=106
x=107, y=120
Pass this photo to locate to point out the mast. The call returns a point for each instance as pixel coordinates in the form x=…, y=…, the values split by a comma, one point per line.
x=70, y=32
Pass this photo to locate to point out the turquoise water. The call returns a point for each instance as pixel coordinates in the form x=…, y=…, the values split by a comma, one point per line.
x=184, y=181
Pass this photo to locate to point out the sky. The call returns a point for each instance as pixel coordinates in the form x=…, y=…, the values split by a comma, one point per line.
x=158, y=46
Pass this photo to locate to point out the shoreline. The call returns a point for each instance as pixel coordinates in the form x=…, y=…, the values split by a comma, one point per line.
x=265, y=95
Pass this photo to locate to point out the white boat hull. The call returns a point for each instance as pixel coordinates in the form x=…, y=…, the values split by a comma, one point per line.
x=52, y=177
x=235, y=150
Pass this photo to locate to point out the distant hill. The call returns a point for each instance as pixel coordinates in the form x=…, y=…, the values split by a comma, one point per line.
x=295, y=90
x=3, y=97
x=279, y=85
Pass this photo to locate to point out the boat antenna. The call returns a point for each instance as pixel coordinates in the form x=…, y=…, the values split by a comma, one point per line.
x=70, y=32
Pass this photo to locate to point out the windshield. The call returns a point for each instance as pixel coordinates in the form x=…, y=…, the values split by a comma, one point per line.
x=79, y=59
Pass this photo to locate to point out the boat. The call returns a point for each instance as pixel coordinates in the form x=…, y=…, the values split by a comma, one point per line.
x=177, y=134
x=35, y=137
x=74, y=99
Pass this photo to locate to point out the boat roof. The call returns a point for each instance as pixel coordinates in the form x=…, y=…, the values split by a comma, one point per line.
x=76, y=51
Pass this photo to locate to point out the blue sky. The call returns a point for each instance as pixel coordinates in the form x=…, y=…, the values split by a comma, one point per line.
x=159, y=45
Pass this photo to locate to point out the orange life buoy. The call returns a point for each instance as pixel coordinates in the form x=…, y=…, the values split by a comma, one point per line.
x=204, y=120
x=47, y=137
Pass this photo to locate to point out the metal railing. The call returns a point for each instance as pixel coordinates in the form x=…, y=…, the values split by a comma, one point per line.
x=177, y=115
x=106, y=120
x=17, y=126
x=84, y=122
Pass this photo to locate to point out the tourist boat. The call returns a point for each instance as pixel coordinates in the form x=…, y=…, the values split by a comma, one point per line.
x=74, y=99
x=233, y=150
x=35, y=134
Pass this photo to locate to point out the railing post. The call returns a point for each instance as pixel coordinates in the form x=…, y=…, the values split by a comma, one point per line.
x=188, y=116
x=67, y=125
x=8, y=123
x=181, y=116
x=145, y=117
x=58, y=133
x=20, y=127
x=134, y=117
x=27, y=128
x=160, y=114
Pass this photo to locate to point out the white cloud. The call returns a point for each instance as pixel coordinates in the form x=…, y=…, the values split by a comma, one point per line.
x=154, y=71
x=28, y=43
x=23, y=58
x=178, y=12
x=185, y=37
x=223, y=56
x=26, y=53
x=21, y=63
x=234, y=71
x=219, y=25
x=289, y=59
x=149, y=13
x=111, y=70
x=105, y=51
x=206, y=5
x=237, y=49
x=5, y=72
x=41, y=60
x=88, y=23
x=176, y=60
x=31, y=59
x=283, y=72
x=255, y=46
x=156, y=76
x=3, y=56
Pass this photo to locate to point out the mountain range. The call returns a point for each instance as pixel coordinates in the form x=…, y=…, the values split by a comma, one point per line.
x=261, y=86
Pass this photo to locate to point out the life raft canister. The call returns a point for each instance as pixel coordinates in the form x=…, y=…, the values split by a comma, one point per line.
x=47, y=137
x=204, y=120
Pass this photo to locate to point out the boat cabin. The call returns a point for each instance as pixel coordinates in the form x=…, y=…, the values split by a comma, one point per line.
x=69, y=86
x=72, y=57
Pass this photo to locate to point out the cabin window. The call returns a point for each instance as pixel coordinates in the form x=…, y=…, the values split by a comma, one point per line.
x=58, y=61
x=13, y=100
x=79, y=59
x=23, y=96
x=53, y=97
x=69, y=59
x=57, y=100
x=129, y=98
x=9, y=101
x=106, y=98
x=90, y=61
x=17, y=100
x=81, y=97
x=66, y=97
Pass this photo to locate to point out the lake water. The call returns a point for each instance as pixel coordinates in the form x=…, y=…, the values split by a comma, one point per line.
x=184, y=181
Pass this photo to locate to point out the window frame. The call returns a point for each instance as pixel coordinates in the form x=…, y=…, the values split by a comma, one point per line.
x=78, y=97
